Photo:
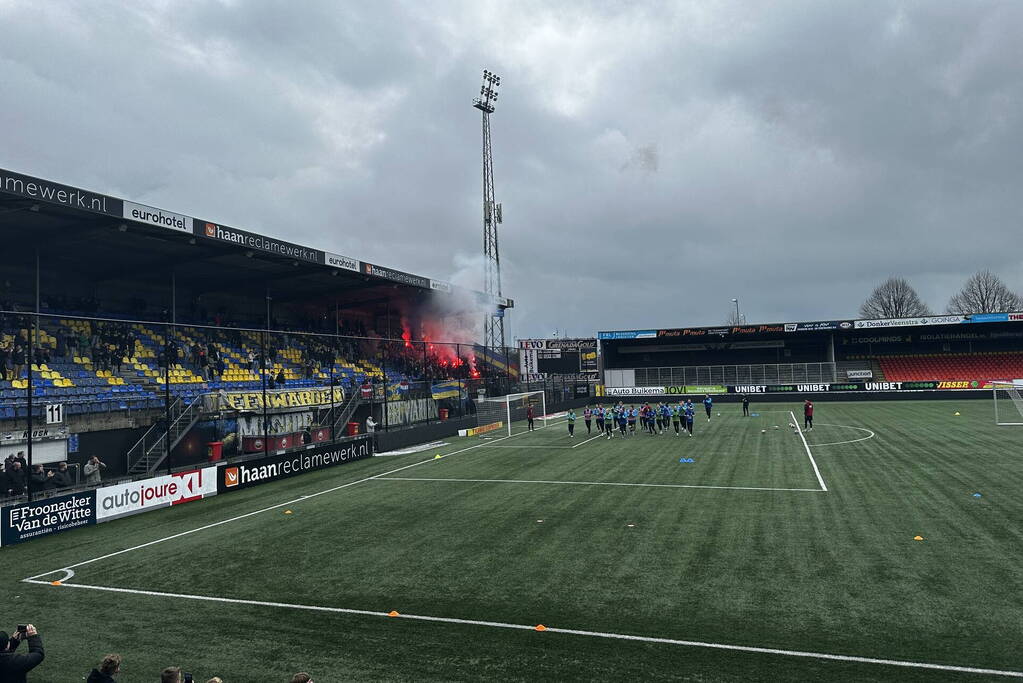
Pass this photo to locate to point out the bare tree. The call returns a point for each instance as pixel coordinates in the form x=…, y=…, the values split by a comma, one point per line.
x=894, y=298
x=985, y=292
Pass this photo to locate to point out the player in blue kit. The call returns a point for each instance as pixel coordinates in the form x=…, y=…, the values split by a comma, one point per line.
x=623, y=421
x=676, y=416
x=689, y=414
x=708, y=404
x=599, y=415
x=664, y=417
x=633, y=414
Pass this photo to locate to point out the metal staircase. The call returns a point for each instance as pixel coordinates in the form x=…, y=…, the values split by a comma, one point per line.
x=343, y=412
x=151, y=450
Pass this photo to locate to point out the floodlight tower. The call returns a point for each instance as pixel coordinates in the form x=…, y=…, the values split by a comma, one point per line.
x=493, y=325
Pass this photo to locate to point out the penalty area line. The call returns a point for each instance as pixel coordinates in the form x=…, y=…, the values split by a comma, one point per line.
x=552, y=629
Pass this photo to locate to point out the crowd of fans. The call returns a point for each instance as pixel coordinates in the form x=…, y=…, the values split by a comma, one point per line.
x=15, y=666
x=15, y=477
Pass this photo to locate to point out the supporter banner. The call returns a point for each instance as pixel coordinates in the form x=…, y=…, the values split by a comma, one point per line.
x=588, y=360
x=61, y=195
x=409, y=412
x=396, y=275
x=628, y=334
x=253, y=400
x=451, y=388
x=249, y=240
x=26, y=521
x=279, y=423
x=909, y=322
x=139, y=496
x=339, y=261
x=158, y=217
x=263, y=470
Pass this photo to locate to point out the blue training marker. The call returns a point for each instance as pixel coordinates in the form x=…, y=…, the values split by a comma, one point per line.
x=754, y=414
x=976, y=495
x=686, y=460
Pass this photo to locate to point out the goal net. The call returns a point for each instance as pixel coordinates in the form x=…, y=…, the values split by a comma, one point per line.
x=1008, y=402
x=501, y=415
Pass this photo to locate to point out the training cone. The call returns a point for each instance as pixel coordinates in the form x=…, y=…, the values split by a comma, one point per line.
x=393, y=613
x=541, y=627
x=956, y=413
x=918, y=538
x=437, y=457
x=976, y=495
x=55, y=583
x=287, y=512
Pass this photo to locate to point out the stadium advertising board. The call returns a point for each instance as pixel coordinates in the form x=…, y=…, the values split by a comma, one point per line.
x=691, y=389
x=55, y=193
x=339, y=261
x=141, y=213
x=246, y=474
x=396, y=275
x=819, y=325
x=821, y=388
x=249, y=240
x=909, y=322
x=440, y=286
x=140, y=496
x=628, y=334
x=25, y=521
x=253, y=400
x=563, y=358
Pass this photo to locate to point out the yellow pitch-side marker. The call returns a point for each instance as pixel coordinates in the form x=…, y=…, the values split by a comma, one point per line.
x=437, y=457
x=287, y=512
x=541, y=627
x=392, y=613
x=957, y=412
x=918, y=538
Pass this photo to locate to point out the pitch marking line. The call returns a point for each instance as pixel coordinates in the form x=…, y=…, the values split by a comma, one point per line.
x=813, y=462
x=871, y=435
x=587, y=440
x=568, y=631
x=591, y=483
x=256, y=512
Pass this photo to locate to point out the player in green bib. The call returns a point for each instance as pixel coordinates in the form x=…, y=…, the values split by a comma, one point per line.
x=571, y=424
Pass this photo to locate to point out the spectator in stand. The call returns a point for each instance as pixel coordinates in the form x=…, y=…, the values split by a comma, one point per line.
x=281, y=379
x=92, y=470
x=253, y=361
x=302, y=678
x=4, y=484
x=62, y=477
x=221, y=367
x=107, y=669
x=38, y=478
x=5, y=359
x=20, y=457
x=15, y=479
x=13, y=667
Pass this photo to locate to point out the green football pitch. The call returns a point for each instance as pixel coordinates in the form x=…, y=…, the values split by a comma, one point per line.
x=772, y=555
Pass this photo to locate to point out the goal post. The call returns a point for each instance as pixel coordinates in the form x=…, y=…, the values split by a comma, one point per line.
x=511, y=411
x=1008, y=403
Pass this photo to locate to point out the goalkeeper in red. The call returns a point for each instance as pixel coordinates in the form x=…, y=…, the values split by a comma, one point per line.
x=808, y=415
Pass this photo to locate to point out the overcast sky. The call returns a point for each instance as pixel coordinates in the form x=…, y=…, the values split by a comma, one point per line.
x=654, y=159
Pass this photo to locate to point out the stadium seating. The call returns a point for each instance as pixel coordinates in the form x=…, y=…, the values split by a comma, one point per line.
x=139, y=384
x=952, y=366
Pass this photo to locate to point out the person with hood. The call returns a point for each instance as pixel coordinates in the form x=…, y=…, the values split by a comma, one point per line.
x=107, y=669
x=13, y=667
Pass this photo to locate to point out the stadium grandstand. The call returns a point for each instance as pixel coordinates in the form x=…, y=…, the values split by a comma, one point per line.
x=130, y=318
x=949, y=351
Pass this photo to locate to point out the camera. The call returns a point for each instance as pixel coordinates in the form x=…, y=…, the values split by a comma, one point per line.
x=22, y=628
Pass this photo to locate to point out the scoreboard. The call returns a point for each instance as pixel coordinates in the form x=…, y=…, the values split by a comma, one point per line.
x=540, y=358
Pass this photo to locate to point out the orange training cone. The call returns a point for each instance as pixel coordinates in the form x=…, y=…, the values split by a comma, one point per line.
x=392, y=613
x=541, y=627
x=55, y=583
x=918, y=538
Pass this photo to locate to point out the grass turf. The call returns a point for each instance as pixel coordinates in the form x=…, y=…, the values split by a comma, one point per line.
x=802, y=569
